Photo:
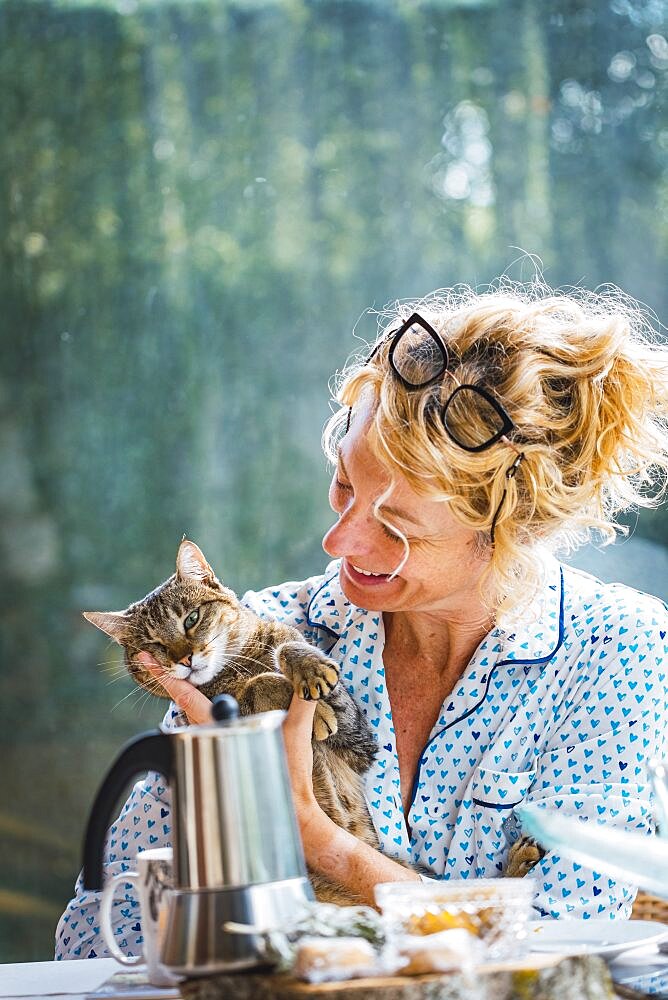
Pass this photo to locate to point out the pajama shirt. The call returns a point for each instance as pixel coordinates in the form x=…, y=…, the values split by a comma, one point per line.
x=561, y=706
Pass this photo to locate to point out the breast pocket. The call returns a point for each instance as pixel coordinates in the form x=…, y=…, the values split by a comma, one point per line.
x=500, y=789
x=494, y=795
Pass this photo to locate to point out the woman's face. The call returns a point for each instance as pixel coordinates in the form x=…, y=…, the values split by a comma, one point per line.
x=444, y=566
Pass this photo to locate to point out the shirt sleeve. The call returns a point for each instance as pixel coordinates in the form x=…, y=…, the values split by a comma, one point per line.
x=144, y=822
x=606, y=728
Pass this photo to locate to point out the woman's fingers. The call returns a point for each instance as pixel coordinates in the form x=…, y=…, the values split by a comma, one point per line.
x=148, y=661
x=297, y=731
x=189, y=699
x=298, y=723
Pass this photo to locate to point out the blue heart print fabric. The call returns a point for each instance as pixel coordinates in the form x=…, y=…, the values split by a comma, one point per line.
x=561, y=707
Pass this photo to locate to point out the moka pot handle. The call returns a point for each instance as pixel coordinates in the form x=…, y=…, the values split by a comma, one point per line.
x=150, y=751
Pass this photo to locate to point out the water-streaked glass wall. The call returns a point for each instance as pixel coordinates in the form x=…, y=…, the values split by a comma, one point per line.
x=198, y=199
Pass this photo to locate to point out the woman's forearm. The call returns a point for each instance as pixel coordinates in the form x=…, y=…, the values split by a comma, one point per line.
x=342, y=858
x=330, y=851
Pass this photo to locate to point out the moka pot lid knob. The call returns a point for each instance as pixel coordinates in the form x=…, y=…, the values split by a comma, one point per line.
x=224, y=708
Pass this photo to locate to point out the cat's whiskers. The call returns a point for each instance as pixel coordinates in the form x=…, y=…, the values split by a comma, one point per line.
x=229, y=659
x=142, y=691
x=116, y=677
x=144, y=700
x=220, y=657
x=117, y=667
x=113, y=668
x=232, y=655
x=250, y=659
x=153, y=685
x=134, y=691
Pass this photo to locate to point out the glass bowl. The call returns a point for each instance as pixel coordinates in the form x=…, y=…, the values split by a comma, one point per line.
x=495, y=910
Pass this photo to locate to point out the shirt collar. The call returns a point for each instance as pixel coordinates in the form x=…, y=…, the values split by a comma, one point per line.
x=329, y=608
x=533, y=634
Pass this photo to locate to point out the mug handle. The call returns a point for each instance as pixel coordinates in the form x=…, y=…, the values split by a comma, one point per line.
x=105, y=918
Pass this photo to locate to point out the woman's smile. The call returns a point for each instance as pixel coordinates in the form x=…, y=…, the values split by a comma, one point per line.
x=363, y=577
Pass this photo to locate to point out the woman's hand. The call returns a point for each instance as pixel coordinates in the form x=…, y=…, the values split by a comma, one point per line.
x=189, y=699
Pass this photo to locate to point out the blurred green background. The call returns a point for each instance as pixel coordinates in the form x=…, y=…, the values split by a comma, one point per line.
x=198, y=200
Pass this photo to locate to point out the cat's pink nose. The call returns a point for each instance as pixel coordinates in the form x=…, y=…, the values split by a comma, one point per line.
x=187, y=661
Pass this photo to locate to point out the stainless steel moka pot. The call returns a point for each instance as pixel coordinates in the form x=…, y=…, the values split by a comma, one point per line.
x=237, y=852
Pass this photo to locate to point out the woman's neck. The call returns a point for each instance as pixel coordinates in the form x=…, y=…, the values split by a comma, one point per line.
x=443, y=645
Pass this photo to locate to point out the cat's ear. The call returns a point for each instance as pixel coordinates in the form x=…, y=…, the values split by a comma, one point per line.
x=116, y=624
x=191, y=565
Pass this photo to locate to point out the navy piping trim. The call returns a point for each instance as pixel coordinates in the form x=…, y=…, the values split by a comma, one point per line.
x=313, y=624
x=351, y=622
x=501, y=663
x=495, y=805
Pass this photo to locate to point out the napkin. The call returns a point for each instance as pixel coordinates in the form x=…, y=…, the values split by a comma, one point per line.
x=48, y=979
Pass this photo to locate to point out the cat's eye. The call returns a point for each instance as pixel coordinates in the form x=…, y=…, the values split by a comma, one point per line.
x=191, y=620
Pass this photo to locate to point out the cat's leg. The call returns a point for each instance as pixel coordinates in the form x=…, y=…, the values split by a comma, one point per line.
x=312, y=675
x=264, y=693
x=329, y=892
x=270, y=691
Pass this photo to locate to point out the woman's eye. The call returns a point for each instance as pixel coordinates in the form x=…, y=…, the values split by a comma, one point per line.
x=342, y=486
x=190, y=620
x=390, y=534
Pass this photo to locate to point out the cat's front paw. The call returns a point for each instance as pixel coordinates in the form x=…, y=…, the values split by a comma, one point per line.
x=324, y=721
x=313, y=675
x=522, y=856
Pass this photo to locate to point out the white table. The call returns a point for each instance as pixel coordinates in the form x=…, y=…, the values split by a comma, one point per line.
x=72, y=979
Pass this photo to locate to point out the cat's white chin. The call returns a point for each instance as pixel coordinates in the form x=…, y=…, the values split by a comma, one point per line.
x=199, y=677
x=181, y=671
x=201, y=674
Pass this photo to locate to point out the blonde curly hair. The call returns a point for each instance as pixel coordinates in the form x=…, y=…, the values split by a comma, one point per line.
x=584, y=378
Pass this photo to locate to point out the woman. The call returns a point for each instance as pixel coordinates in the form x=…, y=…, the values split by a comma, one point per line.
x=481, y=431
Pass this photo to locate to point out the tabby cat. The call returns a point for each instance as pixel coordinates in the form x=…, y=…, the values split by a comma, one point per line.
x=197, y=629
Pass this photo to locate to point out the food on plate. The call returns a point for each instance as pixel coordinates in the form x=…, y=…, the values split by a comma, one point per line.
x=444, y=920
x=328, y=958
x=443, y=951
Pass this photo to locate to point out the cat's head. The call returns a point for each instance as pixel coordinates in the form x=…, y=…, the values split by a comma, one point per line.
x=190, y=624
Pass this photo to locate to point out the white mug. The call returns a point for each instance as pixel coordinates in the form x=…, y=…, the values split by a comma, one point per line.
x=153, y=882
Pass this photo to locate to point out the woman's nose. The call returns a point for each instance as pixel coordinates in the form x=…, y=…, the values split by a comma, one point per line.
x=348, y=535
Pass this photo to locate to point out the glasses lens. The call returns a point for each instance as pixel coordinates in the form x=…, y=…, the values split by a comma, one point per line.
x=470, y=419
x=417, y=357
